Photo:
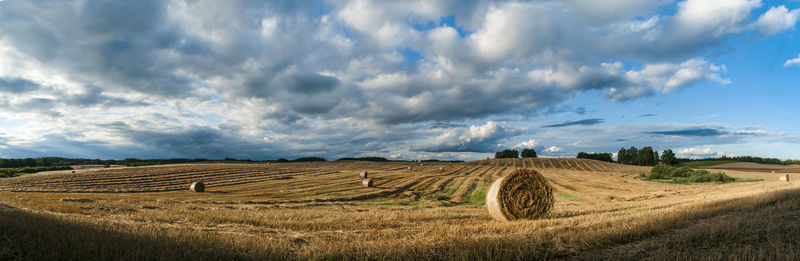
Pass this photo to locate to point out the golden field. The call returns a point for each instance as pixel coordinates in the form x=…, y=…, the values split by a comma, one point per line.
x=433, y=212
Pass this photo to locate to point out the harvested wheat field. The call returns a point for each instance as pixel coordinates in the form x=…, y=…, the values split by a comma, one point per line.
x=433, y=212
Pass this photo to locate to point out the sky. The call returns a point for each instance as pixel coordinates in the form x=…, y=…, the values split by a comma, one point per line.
x=449, y=79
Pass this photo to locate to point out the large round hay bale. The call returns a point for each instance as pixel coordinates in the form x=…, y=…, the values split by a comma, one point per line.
x=363, y=174
x=522, y=194
x=785, y=177
x=366, y=183
x=410, y=168
x=197, y=187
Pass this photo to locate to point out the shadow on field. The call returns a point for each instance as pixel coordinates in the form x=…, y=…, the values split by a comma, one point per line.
x=30, y=236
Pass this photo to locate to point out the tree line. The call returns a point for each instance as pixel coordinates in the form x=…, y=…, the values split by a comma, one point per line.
x=646, y=156
x=596, y=156
x=509, y=153
x=747, y=159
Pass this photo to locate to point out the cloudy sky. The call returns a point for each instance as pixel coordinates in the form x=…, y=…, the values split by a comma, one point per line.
x=404, y=80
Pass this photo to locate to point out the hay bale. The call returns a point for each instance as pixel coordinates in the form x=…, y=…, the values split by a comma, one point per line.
x=410, y=168
x=363, y=174
x=784, y=177
x=522, y=194
x=73, y=172
x=773, y=171
x=197, y=187
x=441, y=168
x=366, y=183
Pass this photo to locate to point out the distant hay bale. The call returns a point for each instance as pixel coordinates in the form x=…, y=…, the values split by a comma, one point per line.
x=197, y=187
x=785, y=177
x=773, y=171
x=73, y=172
x=522, y=194
x=410, y=168
x=366, y=183
x=441, y=169
x=363, y=174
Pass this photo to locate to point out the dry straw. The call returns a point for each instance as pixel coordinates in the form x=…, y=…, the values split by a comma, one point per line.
x=785, y=177
x=366, y=183
x=197, y=187
x=363, y=174
x=523, y=194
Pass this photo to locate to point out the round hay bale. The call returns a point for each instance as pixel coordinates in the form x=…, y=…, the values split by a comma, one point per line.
x=363, y=174
x=366, y=183
x=410, y=168
x=773, y=171
x=73, y=171
x=784, y=177
x=441, y=169
x=522, y=194
x=197, y=187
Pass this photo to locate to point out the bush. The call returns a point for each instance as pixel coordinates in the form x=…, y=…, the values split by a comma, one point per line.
x=684, y=174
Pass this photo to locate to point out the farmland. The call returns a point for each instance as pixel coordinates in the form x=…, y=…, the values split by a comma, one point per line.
x=431, y=211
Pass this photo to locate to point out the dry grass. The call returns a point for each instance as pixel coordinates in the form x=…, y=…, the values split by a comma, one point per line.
x=321, y=211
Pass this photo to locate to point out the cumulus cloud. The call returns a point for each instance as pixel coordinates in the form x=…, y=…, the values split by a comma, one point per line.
x=527, y=144
x=790, y=62
x=777, y=19
x=553, y=149
x=483, y=138
x=698, y=152
x=345, y=78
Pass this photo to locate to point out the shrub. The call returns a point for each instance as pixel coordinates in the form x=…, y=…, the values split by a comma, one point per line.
x=685, y=174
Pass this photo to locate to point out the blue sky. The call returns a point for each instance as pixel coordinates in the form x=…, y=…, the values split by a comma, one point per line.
x=400, y=79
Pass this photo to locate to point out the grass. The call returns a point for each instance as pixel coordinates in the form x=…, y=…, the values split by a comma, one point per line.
x=681, y=175
x=706, y=163
x=242, y=222
x=478, y=195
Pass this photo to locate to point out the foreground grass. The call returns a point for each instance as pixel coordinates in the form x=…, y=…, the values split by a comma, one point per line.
x=31, y=236
x=725, y=229
x=596, y=214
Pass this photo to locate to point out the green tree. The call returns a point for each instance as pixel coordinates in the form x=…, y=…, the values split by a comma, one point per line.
x=668, y=157
x=528, y=153
x=622, y=156
x=633, y=158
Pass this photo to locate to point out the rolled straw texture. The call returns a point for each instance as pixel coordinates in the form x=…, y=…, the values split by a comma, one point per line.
x=522, y=194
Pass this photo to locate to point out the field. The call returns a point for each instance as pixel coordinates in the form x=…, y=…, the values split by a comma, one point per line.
x=433, y=212
x=756, y=167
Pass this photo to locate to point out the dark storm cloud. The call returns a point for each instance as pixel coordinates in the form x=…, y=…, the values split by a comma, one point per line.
x=578, y=122
x=196, y=141
x=700, y=132
x=17, y=85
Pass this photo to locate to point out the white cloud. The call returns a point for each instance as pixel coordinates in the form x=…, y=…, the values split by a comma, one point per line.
x=702, y=18
x=777, y=19
x=699, y=152
x=553, y=149
x=353, y=77
x=483, y=138
x=526, y=144
x=790, y=62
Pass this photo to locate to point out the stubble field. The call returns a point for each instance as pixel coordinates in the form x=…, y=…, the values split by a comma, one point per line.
x=435, y=212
